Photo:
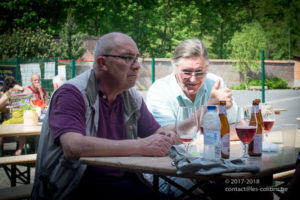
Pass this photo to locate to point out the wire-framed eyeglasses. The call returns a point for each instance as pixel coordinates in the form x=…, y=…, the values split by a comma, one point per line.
x=191, y=73
x=130, y=60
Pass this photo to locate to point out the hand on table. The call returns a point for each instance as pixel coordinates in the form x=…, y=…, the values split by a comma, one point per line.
x=159, y=143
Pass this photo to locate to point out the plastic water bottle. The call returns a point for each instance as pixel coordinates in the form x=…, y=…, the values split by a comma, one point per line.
x=212, y=140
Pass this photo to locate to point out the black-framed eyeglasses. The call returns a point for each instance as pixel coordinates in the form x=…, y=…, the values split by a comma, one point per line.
x=130, y=60
x=191, y=73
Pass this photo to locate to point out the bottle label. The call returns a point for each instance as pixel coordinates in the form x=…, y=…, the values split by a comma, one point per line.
x=222, y=110
x=211, y=138
x=257, y=144
x=225, y=142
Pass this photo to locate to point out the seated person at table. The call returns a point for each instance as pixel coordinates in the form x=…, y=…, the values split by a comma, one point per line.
x=189, y=84
x=57, y=81
x=98, y=113
x=37, y=89
x=11, y=85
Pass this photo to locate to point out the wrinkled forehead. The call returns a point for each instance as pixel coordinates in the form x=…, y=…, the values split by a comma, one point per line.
x=125, y=46
x=193, y=63
x=35, y=78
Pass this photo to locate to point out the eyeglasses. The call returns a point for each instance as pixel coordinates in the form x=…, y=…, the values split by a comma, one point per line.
x=130, y=60
x=190, y=73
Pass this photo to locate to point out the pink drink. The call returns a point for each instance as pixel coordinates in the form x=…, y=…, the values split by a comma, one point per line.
x=268, y=125
x=246, y=133
x=186, y=138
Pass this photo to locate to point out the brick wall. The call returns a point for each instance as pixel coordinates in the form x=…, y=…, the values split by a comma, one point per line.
x=224, y=69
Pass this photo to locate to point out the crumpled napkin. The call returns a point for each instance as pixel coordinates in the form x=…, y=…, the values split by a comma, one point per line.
x=186, y=163
x=270, y=147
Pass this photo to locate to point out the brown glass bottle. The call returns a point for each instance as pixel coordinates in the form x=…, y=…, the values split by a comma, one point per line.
x=225, y=130
x=255, y=147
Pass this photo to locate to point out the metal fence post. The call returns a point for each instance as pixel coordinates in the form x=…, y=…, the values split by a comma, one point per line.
x=153, y=70
x=73, y=68
x=262, y=76
x=56, y=66
x=18, y=71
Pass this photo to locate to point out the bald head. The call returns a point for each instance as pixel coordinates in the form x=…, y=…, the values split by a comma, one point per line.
x=35, y=81
x=108, y=42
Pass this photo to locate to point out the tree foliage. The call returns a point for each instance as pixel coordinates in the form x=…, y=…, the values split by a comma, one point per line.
x=158, y=26
x=70, y=43
x=246, y=46
x=27, y=43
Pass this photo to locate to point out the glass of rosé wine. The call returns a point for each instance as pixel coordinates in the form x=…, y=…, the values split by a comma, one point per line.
x=245, y=127
x=268, y=117
x=186, y=124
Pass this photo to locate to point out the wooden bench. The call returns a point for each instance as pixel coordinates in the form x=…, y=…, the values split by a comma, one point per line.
x=9, y=164
x=283, y=175
x=257, y=88
x=284, y=178
x=278, y=110
x=17, y=192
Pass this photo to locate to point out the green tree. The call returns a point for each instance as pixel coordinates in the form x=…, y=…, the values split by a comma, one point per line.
x=70, y=43
x=45, y=14
x=246, y=47
x=280, y=21
x=27, y=43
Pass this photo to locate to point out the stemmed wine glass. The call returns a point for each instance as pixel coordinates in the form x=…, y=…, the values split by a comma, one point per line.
x=268, y=117
x=186, y=124
x=245, y=127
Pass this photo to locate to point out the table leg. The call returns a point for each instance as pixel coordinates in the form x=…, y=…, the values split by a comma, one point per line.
x=155, y=184
x=36, y=143
x=25, y=151
x=13, y=176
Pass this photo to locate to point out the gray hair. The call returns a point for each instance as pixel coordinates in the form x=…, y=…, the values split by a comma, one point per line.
x=190, y=48
x=59, y=80
x=106, y=44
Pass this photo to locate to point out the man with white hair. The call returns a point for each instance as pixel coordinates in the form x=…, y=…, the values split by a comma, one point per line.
x=37, y=89
x=57, y=81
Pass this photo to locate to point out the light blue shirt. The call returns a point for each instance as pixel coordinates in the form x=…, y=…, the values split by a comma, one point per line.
x=165, y=96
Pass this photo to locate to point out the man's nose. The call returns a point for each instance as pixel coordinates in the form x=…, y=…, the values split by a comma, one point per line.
x=136, y=65
x=193, y=78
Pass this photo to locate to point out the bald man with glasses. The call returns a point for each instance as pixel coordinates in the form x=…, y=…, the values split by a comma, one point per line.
x=99, y=113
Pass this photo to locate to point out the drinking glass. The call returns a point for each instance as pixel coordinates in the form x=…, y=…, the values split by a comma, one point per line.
x=268, y=117
x=244, y=130
x=186, y=124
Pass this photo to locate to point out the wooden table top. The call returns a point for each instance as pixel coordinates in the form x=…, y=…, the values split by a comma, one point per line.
x=8, y=130
x=269, y=162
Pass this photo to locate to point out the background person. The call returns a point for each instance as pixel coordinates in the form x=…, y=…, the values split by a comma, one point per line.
x=190, y=84
x=11, y=84
x=98, y=113
x=57, y=81
x=37, y=89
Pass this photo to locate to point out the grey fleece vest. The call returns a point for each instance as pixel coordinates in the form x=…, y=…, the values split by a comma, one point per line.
x=55, y=176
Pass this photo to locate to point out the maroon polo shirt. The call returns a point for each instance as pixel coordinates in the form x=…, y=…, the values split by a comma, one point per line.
x=67, y=114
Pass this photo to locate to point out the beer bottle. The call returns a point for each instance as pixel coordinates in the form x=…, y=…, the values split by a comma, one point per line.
x=255, y=146
x=225, y=130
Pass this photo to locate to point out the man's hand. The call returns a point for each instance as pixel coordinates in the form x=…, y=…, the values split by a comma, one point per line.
x=220, y=94
x=159, y=143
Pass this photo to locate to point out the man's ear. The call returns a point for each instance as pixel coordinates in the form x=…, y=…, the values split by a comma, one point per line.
x=101, y=63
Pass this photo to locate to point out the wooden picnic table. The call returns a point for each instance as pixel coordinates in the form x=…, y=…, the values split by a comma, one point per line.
x=10, y=130
x=9, y=163
x=270, y=163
